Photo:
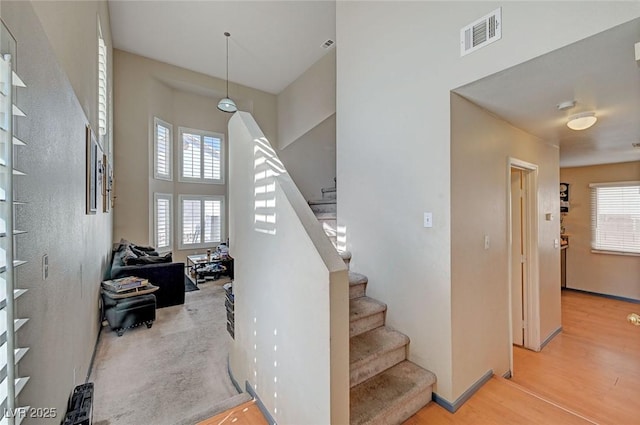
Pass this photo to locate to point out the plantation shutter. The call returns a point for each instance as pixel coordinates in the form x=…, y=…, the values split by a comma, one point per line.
x=163, y=138
x=163, y=220
x=615, y=217
x=191, y=154
x=212, y=221
x=212, y=164
x=191, y=222
x=102, y=88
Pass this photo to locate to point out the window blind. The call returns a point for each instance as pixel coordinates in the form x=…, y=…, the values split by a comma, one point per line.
x=202, y=156
x=201, y=220
x=162, y=149
x=191, y=153
x=163, y=220
x=615, y=217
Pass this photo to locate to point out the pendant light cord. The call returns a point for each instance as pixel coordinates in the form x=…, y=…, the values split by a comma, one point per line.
x=227, y=35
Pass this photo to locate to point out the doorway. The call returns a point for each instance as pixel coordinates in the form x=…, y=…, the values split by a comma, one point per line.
x=522, y=189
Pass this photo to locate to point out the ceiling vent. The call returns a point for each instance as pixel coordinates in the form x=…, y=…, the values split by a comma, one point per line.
x=327, y=44
x=482, y=32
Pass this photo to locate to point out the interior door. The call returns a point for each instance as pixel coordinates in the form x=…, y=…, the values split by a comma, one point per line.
x=517, y=256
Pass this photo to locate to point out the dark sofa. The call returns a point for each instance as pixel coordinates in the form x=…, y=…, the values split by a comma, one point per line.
x=167, y=276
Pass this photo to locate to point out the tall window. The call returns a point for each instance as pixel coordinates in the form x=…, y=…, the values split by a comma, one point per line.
x=615, y=217
x=202, y=156
x=201, y=220
x=163, y=207
x=162, y=148
x=103, y=92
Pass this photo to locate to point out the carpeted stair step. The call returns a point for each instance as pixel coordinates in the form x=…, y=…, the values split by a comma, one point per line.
x=365, y=314
x=357, y=285
x=323, y=206
x=329, y=193
x=346, y=257
x=391, y=397
x=375, y=351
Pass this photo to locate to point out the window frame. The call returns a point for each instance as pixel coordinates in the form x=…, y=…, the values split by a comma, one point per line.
x=157, y=196
x=156, y=175
x=593, y=200
x=202, y=134
x=202, y=199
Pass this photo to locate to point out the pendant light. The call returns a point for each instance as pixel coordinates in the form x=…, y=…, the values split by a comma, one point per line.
x=226, y=104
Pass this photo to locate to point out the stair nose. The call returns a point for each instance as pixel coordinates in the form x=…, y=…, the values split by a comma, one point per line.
x=365, y=314
x=392, y=396
x=375, y=351
x=357, y=285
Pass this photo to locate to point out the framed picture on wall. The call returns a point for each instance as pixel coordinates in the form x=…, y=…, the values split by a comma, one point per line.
x=107, y=178
x=564, y=197
x=92, y=172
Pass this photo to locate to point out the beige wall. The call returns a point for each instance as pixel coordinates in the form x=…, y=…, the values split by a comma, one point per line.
x=601, y=273
x=145, y=88
x=480, y=146
x=308, y=101
x=63, y=310
x=311, y=160
x=393, y=146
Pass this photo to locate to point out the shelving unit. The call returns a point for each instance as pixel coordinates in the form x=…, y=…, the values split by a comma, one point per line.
x=10, y=83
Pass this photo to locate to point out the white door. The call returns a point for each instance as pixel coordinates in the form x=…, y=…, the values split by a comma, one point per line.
x=517, y=256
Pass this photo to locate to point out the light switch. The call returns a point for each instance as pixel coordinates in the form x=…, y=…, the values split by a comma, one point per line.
x=487, y=242
x=428, y=219
x=556, y=243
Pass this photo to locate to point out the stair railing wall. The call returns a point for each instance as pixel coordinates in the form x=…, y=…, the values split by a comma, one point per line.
x=291, y=289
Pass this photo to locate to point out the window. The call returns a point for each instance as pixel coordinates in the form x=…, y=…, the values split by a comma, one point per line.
x=162, y=148
x=615, y=217
x=201, y=221
x=162, y=213
x=103, y=92
x=202, y=156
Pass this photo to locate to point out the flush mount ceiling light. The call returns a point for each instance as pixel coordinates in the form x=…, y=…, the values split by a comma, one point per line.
x=582, y=121
x=226, y=104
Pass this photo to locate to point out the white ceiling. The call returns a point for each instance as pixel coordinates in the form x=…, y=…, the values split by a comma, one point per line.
x=600, y=73
x=272, y=42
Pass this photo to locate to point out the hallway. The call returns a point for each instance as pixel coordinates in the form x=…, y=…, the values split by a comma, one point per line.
x=592, y=368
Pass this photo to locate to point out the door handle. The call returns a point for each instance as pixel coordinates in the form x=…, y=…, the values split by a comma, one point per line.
x=634, y=319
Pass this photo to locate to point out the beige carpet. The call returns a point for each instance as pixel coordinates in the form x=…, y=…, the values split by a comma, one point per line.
x=173, y=373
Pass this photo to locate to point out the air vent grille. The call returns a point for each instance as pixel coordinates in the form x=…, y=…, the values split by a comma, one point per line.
x=327, y=44
x=482, y=32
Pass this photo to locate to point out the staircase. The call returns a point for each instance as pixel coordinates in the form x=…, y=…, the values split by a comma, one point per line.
x=386, y=388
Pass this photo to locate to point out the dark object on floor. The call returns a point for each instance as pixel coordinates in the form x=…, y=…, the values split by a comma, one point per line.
x=80, y=411
x=189, y=286
x=129, y=312
x=229, y=304
x=169, y=277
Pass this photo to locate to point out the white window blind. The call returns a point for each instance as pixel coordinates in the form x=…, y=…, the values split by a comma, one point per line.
x=201, y=220
x=163, y=136
x=202, y=156
x=163, y=218
x=103, y=92
x=615, y=217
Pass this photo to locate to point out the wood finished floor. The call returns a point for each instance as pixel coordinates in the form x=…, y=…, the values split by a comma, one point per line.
x=592, y=368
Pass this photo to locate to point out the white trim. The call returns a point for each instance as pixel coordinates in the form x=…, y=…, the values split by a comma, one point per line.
x=201, y=198
x=156, y=197
x=615, y=184
x=157, y=121
x=532, y=293
x=202, y=133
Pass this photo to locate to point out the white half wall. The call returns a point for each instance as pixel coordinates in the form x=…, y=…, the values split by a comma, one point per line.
x=290, y=289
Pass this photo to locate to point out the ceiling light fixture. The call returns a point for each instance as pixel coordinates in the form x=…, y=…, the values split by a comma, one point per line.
x=226, y=104
x=582, y=121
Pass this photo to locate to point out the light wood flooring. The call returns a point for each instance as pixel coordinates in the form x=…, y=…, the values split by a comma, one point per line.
x=589, y=373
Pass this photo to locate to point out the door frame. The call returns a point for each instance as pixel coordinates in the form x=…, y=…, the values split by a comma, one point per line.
x=531, y=293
